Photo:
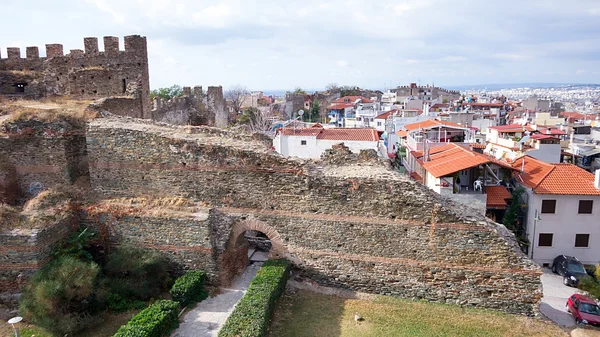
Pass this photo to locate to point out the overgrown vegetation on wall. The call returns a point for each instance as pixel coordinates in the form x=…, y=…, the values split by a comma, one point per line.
x=252, y=314
x=64, y=296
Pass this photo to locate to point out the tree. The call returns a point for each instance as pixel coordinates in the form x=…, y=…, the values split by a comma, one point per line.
x=167, y=93
x=299, y=91
x=511, y=218
x=331, y=87
x=348, y=90
x=257, y=120
x=314, y=113
x=237, y=95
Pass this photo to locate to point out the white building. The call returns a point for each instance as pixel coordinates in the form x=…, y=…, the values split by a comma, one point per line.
x=563, y=210
x=312, y=142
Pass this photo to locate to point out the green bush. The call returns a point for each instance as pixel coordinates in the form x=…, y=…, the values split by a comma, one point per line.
x=251, y=316
x=590, y=285
x=158, y=320
x=60, y=295
x=136, y=273
x=118, y=304
x=189, y=288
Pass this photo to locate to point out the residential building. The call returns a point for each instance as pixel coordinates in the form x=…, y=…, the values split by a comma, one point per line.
x=514, y=140
x=563, y=210
x=353, y=111
x=389, y=97
x=312, y=142
x=395, y=121
x=251, y=100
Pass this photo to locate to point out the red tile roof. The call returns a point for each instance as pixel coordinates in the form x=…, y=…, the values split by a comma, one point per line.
x=544, y=178
x=496, y=197
x=451, y=158
x=342, y=134
x=540, y=136
x=416, y=177
x=385, y=115
x=477, y=146
x=551, y=131
x=432, y=123
x=575, y=115
x=340, y=106
x=349, y=134
x=510, y=128
x=352, y=99
x=402, y=133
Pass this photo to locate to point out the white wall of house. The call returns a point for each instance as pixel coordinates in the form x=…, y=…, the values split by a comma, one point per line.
x=549, y=153
x=293, y=146
x=564, y=224
x=435, y=184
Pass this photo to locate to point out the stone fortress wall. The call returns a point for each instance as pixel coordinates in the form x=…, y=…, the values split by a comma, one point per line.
x=87, y=74
x=364, y=228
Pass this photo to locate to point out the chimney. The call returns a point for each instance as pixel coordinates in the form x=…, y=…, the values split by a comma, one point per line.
x=597, y=180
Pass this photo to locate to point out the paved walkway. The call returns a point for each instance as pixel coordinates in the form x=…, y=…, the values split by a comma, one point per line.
x=208, y=316
x=555, y=297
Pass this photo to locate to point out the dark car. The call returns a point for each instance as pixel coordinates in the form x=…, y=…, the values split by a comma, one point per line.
x=570, y=268
x=584, y=309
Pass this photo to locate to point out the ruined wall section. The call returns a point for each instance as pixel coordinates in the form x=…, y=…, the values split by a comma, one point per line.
x=88, y=74
x=23, y=251
x=373, y=231
x=43, y=154
x=189, y=109
x=216, y=107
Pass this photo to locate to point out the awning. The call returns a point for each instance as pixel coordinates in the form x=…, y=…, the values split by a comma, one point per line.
x=590, y=153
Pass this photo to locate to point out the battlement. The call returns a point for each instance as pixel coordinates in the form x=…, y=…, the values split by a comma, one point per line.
x=132, y=44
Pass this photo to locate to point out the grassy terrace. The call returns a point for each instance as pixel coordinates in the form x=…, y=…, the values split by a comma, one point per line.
x=305, y=314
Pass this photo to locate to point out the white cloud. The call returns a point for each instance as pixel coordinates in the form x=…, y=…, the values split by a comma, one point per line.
x=342, y=63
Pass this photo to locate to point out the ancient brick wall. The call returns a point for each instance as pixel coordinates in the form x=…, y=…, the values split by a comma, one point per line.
x=359, y=227
x=189, y=109
x=89, y=73
x=44, y=154
x=23, y=251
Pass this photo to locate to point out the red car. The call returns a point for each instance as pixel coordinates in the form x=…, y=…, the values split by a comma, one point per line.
x=584, y=309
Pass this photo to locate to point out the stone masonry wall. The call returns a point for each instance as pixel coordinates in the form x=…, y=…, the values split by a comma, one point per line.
x=359, y=227
x=44, y=153
x=88, y=73
x=22, y=252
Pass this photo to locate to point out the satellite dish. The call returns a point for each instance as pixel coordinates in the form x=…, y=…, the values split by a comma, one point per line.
x=15, y=320
x=300, y=112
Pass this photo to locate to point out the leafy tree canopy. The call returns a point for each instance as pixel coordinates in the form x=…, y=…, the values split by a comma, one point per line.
x=167, y=93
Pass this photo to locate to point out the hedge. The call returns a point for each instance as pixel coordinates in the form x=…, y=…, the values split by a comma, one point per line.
x=189, y=288
x=251, y=316
x=157, y=320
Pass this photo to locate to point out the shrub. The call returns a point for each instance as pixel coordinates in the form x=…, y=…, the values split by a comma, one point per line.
x=118, y=304
x=136, y=273
x=158, y=320
x=189, y=288
x=591, y=286
x=251, y=316
x=59, y=295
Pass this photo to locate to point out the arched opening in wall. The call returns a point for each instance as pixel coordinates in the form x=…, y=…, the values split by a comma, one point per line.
x=259, y=246
x=250, y=243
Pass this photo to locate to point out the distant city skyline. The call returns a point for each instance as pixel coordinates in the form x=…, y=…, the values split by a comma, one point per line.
x=371, y=44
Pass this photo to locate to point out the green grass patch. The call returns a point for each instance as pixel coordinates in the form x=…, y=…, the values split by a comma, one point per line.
x=305, y=314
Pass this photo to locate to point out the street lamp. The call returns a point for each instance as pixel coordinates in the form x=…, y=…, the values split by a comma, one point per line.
x=14, y=321
x=536, y=218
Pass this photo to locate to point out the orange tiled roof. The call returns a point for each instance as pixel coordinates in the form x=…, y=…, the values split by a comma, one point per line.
x=352, y=99
x=402, y=133
x=342, y=134
x=477, y=146
x=385, y=115
x=340, y=106
x=416, y=177
x=496, y=197
x=454, y=159
x=349, y=134
x=431, y=123
x=545, y=178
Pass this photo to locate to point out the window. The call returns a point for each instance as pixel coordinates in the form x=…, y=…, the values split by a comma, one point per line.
x=302, y=142
x=548, y=206
x=585, y=206
x=20, y=87
x=582, y=240
x=545, y=240
x=378, y=123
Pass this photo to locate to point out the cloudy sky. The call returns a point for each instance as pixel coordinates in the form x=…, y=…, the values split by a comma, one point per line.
x=282, y=44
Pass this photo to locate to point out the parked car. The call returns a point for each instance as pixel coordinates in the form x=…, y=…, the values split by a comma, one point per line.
x=584, y=309
x=570, y=268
